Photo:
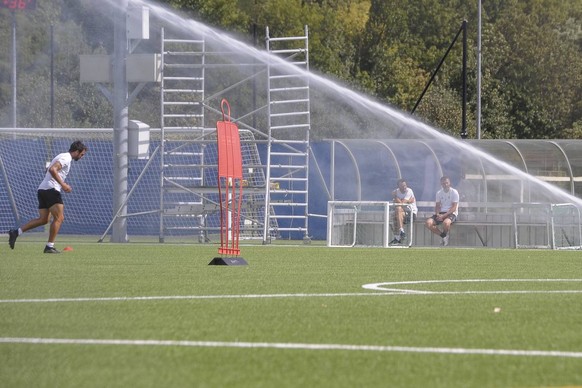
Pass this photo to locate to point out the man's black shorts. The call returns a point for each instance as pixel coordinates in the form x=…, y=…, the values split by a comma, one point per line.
x=48, y=198
x=451, y=217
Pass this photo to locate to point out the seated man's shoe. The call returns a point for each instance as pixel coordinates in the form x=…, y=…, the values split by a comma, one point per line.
x=445, y=241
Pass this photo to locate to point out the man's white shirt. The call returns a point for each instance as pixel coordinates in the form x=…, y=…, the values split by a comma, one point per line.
x=65, y=159
x=407, y=195
x=447, y=199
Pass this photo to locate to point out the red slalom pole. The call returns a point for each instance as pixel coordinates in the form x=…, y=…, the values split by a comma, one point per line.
x=230, y=188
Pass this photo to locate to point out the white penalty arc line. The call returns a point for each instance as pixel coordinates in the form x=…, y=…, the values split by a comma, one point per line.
x=296, y=346
x=383, y=286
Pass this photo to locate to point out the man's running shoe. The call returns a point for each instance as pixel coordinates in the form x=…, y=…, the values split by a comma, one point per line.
x=394, y=242
x=12, y=236
x=48, y=249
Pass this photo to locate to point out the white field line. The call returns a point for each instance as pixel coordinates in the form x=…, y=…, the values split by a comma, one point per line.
x=295, y=346
x=384, y=291
x=192, y=297
x=390, y=292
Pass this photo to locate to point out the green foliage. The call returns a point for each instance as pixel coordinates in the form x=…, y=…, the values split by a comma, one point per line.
x=531, y=70
x=232, y=15
x=540, y=70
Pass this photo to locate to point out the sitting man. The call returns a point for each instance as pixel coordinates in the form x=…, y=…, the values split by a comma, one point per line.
x=402, y=214
x=446, y=210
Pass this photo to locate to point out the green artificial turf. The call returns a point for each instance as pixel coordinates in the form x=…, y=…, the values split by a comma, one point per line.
x=287, y=300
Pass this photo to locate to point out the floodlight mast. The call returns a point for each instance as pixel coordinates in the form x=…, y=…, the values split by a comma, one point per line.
x=464, y=77
x=479, y=70
x=129, y=29
x=13, y=6
x=14, y=69
x=120, y=123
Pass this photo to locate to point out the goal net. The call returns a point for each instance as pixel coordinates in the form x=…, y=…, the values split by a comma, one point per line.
x=191, y=210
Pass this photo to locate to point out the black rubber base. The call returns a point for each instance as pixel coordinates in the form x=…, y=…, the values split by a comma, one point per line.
x=228, y=261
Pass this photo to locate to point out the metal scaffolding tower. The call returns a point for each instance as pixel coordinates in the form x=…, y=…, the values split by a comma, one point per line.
x=276, y=200
x=182, y=114
x=286, y=194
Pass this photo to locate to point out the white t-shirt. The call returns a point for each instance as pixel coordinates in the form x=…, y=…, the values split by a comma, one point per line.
x=447, y=199
x=406, y=196
x=65, y=159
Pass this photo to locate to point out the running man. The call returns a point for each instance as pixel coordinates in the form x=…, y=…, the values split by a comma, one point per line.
x=50, y=202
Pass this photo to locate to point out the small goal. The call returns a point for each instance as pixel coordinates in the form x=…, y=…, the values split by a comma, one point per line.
x=361, y=223
x=547, y=225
